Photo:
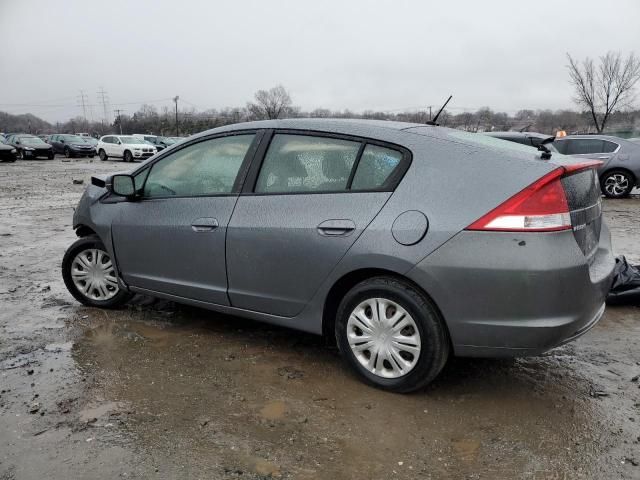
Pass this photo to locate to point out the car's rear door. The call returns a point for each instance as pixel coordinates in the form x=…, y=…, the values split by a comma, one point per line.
x=172, y=240
x=302, y=208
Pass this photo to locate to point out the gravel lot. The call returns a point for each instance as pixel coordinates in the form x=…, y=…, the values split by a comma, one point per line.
x=158, y=390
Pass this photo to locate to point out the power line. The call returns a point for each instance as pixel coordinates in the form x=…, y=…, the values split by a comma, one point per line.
x=82, y=99
x=118, y=111
x=103, y=98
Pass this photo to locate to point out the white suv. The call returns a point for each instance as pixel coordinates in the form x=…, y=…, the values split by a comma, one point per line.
x=127, y=147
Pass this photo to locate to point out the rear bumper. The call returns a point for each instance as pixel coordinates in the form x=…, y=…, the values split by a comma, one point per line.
x=505, y=294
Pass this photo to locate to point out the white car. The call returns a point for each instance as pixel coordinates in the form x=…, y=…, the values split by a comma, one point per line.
x=127, y=147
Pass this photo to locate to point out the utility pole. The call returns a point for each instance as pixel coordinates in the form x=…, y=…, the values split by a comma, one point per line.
x=175, y=99
x=103, y=98
x=118, y=112
x=82, y=99
x=429, y=112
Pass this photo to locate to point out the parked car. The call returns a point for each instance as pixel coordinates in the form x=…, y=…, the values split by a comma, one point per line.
x=127, y=147
x=404, y=242
x=620, y=170
x=532, y=139
x=91, y=141
x=157, y=141
x=30, y=146
x=7, y=152
x=71, y=146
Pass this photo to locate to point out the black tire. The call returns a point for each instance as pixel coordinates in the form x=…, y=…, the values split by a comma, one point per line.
x=51, y=156
x=617, y=183
x=80, y=245
x=103, y=155
x=127, y=156
x=434, y=338
x=68, y=153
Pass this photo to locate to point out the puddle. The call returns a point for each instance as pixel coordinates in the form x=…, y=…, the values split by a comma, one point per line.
x=99, y=411
x=466, y=449
x=273, y=410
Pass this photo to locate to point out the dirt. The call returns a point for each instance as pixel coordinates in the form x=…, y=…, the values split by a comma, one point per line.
x=158, y=390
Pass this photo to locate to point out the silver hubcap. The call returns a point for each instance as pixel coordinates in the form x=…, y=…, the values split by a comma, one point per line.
x=384, y=338
x=616, y=184
x=93, y=274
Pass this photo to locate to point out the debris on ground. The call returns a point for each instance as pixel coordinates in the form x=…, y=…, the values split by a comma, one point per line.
x=625, y=289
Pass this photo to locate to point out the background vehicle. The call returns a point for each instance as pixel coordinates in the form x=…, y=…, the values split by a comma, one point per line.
x=7, y=152
x=30, y=146
x=71, y=146
x=127, y=147
x=532, y=139
x=620, y=171
x=356, y=229
x=157, y=141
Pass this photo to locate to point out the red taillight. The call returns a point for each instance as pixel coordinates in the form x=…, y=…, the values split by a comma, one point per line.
x=541, y=207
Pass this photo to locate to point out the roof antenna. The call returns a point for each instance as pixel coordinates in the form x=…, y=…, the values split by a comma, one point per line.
x=433, y=122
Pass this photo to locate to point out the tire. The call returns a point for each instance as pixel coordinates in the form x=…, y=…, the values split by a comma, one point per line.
x=67, y=153
x=127, y=157
x=617, y=183
x=93, y=249
x=51, y=156
x=102, y=154
x=428, y=325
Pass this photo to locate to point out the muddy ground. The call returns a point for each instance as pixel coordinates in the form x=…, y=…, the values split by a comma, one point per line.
x=163, y=391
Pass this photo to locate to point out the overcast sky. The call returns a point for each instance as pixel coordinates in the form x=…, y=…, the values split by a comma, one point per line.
x=355, y=54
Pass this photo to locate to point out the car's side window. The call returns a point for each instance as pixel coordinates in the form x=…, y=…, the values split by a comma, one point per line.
x=609, y=147
x=375, y=167
x=209, y=167
x=582, y=146
x=305, y=163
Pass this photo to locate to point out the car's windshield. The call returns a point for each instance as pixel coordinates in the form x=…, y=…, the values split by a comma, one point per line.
x=90, y=140
x=166, y=140
x=31, y=140
x=72, y=139
x=131, y=140
x=2, y=139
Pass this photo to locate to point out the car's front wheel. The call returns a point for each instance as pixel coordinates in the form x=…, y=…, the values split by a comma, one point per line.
x=391, y=334
x=89, y=274
x=617, y=183
x=102, y=154
x=127, y=156
x=67, y=152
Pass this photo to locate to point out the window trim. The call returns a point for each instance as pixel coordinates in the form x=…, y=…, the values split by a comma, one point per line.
x=396, y=176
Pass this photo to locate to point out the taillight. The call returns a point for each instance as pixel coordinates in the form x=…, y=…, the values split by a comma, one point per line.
x=541, y=207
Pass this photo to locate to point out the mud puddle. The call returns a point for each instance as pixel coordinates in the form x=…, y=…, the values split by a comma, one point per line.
x=157, y=390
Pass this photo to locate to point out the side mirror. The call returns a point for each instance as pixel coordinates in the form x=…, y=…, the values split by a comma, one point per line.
x=119, y=142
x=123, y=185
x=61, y=141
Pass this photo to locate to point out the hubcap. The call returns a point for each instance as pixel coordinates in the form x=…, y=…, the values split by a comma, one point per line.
x=616, y=184
x=93, y=274
x=384, y=338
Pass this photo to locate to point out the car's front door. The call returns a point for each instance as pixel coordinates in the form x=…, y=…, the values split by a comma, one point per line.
x=172, y=240
x=309, y=202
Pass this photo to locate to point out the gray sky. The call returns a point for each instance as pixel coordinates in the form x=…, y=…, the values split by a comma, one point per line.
x=356, y=54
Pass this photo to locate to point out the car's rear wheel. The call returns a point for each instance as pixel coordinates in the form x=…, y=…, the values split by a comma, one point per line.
x=102, y=155
x=391, y=334
x=89, y=274
x=127, y=156
x=617, y=183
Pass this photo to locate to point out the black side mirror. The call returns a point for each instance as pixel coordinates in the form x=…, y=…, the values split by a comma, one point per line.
x=123, y=185
x=61, y=141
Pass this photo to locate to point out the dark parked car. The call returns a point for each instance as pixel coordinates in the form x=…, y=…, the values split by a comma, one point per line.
x=159, y=142
x=72, y=145
x=7, y=152
x=620, y=170
x=30, y=146
x=406, y=243
x=532, y=139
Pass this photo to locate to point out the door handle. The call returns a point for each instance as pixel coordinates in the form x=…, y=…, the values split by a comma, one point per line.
x=336, y=228
x=204, y=224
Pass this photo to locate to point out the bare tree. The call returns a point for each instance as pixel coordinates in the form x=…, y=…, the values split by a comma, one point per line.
x=604, y=88
x=270, y=104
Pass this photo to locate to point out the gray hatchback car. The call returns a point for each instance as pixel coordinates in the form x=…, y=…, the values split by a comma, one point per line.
x=407, y=243
x=620, y=169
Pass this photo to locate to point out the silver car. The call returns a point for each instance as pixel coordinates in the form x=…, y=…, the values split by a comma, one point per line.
x=406, y=243
x=620, y=169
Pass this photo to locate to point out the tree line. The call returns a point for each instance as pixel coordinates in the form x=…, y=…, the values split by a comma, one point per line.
x=604, y=91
